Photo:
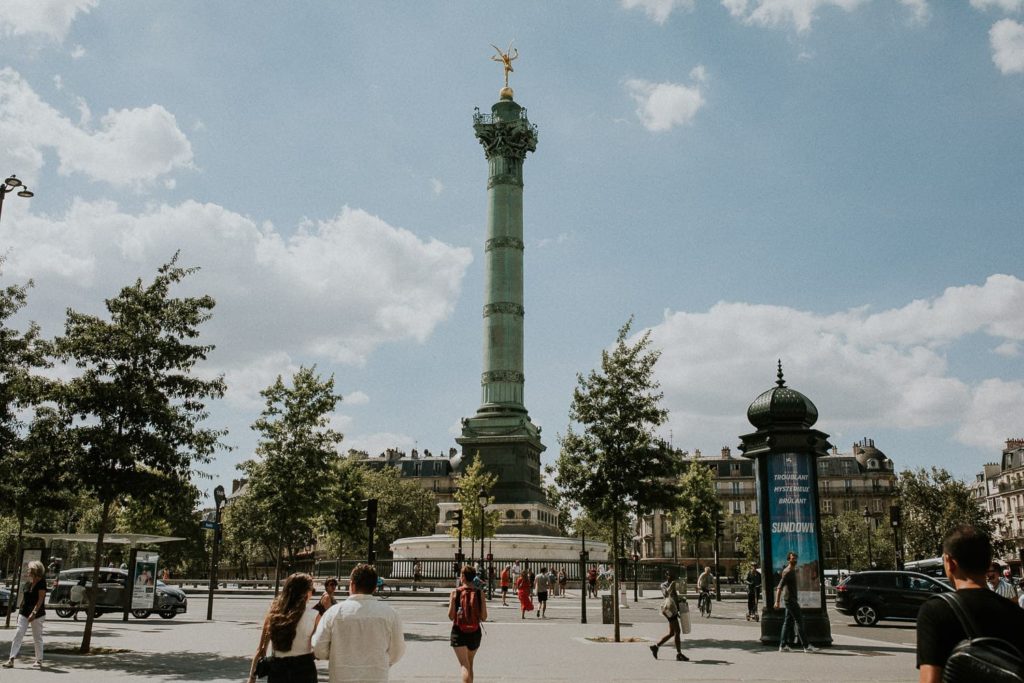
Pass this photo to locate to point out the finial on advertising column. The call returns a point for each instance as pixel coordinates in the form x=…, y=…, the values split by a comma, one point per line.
x=781, y=382
x=505, y=58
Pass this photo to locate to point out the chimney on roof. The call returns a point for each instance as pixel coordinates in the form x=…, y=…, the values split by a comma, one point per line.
x=726, y=452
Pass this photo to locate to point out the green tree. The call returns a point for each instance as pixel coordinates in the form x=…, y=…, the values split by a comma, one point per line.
x=22, y=355
x=340, y=523
x=558, y=501
x=694, y=515
x=851, y=541
x=169, y=508
x=404, y=508
x=470, y=482
x=137, y=410
x=616, y=465
x=296, y=450
x=934, y=503
x=747, y=539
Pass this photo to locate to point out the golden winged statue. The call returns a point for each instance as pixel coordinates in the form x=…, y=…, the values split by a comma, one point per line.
x=505, y=58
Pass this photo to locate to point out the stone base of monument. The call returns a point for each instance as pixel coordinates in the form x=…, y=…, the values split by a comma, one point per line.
x=504, y=547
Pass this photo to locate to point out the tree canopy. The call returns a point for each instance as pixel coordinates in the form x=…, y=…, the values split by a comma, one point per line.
x=615, y=463
x=136, y=411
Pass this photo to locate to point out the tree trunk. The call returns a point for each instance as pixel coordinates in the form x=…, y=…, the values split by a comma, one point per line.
x=277, y=569
x=615, y=574
x=17, y=559
x=90, y=601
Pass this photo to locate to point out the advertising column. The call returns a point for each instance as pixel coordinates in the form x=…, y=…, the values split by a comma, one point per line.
x=792, y=522
x=144, y=581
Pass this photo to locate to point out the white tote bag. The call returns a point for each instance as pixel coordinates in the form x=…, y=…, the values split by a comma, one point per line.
x=684, y=616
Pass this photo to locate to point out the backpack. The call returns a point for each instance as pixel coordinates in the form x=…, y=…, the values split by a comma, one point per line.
x=980, y=658
x=467, y=609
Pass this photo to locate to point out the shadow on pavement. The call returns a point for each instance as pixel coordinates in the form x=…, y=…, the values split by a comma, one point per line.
x=424, y=638
x=168, y=666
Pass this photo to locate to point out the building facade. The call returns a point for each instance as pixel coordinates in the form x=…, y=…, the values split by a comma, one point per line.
x=999, y=489
x=862, y=478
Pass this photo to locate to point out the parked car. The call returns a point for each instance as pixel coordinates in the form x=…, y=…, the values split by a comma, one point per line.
x=170, y=601
x=5, y=601
x=871, y=596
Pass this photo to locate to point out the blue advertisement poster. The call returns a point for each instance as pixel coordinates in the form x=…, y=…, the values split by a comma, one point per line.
x=793, y=518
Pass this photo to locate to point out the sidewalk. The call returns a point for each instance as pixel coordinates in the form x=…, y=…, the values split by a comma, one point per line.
x=722, y=648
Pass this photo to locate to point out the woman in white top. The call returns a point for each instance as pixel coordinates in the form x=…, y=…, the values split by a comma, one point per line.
x=288, y=628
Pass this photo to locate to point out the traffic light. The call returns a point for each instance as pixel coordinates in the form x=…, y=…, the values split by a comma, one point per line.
x=370, y=512
x=894, y=515
x=719, y=528
x=458, y=520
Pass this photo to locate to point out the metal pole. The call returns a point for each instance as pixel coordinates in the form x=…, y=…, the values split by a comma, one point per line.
x=636, y=577
x=867, y=519
x=213, y=564
x=482, y=542
x=583, y=580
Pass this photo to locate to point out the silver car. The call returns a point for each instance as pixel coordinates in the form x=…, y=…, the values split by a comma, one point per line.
x=170, y=601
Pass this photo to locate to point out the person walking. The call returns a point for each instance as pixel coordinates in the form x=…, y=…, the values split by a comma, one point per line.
x=361, y=637
x=753, y=581
x=417, y=574
x=670, y=610
x=563, y=582
x=467, y=608
x=506, y=579
x=523, y=592
x=787, y=590
x=288, y=628
x=998, y=584
x=592, y=582
x=966, y=557
x=32, y=613
x=327, y=600
x=541, y=585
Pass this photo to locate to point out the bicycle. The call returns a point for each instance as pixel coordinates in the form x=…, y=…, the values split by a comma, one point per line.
x=704, y=603
x=384, y=590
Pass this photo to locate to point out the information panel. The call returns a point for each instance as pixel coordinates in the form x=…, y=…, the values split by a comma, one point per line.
x=144, y=580
x=793, y=517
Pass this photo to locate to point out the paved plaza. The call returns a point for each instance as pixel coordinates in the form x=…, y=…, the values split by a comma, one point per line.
x=721, y=648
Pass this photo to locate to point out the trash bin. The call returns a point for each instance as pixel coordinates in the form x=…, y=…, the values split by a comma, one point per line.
x=607, y=609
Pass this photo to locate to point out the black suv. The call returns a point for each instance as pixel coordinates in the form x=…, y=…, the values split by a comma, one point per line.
x=870, y=596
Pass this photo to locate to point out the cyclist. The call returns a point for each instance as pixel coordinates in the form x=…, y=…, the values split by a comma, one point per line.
x=753, y=581
x=704, y=590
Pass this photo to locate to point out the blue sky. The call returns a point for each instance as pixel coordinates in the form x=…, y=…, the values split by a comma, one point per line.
x=834, y=182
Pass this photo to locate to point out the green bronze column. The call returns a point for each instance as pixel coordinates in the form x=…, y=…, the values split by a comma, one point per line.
x=501, y=432
x=506, y=135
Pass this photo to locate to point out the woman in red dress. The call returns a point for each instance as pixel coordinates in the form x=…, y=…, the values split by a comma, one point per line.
x=523, y=588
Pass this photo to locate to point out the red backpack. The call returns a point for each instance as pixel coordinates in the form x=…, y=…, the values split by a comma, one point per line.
x=467, y=609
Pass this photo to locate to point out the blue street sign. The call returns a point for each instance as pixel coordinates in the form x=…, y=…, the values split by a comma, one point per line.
x=207, y=524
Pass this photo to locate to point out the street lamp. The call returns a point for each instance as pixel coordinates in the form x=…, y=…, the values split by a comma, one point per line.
x=10, y=185
x=218, y=499
x=867, y=521
x=481, y=499
x=835, y=532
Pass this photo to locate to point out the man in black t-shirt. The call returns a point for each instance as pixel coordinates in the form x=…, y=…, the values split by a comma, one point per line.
x=966, y=554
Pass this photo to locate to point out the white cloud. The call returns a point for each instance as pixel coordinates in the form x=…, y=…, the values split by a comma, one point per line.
x=699, y=73
x=662, y=106
x=659, y=10
x=356, y=398
x=335, y=289
x=58, y=82
x=863, y=370
x=130, y=148
x=993, y=414
x=436, y=186
x=77, y=52
x=49, y=18
x=919, y=10
x=560, y=238
x=1008, y=349
x=1007, y=39
x=377, y=443
x=1004, y=5
x=798, y=13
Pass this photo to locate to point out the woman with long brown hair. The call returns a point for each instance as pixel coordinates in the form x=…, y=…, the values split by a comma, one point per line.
x=288, y=628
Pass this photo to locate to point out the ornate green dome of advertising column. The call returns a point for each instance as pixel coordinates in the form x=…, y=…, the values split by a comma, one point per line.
x=501, y=431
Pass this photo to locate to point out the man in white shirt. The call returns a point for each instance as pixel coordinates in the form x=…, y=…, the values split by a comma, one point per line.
x=361, y=637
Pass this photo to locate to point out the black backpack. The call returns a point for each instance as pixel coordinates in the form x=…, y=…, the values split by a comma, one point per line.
x=980, y=658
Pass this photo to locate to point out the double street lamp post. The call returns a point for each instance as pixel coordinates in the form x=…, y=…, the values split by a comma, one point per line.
x=218, y=499
x=867, y=521
x=481, y=500
x=10, y=185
